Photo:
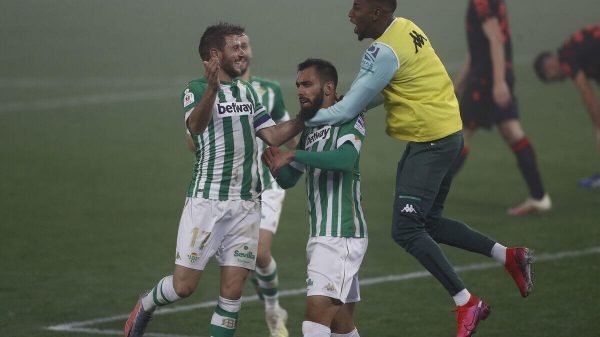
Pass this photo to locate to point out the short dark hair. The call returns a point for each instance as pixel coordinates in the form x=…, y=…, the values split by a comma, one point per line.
x=325, y=69
x=214, y=37
x=388, y=5
x=538, y=65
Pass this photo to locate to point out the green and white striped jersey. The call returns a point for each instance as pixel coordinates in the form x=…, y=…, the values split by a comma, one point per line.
x=270, y=96
x=226, y=165
x=334, y=197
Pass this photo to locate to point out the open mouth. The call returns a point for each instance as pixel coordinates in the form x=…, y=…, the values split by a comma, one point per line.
x=304, y=101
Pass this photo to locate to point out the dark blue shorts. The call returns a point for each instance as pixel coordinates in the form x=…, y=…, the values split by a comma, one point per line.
x=478, y=109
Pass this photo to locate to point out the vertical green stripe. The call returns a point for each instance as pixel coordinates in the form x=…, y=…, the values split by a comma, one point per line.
x=324, y=201
x=335, y=212
x=357, y=207
x=347, y=205
x=335, y=182
x=227, y=158
x=311, y=200
x=211, y=160
x=265, y=177
x=249, y=154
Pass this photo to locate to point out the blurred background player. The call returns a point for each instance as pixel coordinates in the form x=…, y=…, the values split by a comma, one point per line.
x=579, y=59
x=329, y=155
x=485, y=87
x=265, y=278
x=221, y=214
x=402, y=69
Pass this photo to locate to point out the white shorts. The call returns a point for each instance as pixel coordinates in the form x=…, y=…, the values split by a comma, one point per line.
x=333, y=265
x=226, y=229
x=272, y=203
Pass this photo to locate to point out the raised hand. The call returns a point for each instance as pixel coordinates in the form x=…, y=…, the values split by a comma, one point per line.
x=211, y=71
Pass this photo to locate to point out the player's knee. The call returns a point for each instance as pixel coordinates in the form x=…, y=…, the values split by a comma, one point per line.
x=403, y=229
x=232, y=288
x=184, y=289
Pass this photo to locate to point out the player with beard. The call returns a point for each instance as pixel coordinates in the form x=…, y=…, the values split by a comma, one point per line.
x=221, y=214
x=329, y=155
x=402, y=69
x=266, y=278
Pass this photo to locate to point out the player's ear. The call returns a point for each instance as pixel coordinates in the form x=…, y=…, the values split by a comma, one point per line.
x=214, y=52
x=329, y=89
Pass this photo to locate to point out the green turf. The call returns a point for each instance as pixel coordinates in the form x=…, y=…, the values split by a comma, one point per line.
x=94, y=167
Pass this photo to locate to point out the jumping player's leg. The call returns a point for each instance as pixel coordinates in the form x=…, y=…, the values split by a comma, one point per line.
x=420, y=174
x=516, y=260
x=464, y=152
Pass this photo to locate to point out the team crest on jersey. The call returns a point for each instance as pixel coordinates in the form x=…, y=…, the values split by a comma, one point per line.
x=188, y=98
x=369, y=58
x=317, y=135
x=230, y=109
x=360, y=124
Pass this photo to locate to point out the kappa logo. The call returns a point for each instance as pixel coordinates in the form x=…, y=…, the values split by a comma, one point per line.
x=330, y=287
x=418, y=40
x=408, y=208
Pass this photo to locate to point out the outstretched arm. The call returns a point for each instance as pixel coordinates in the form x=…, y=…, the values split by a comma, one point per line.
x=282, y=132
x=340, y=159
x=372, y=78
x=590, y=101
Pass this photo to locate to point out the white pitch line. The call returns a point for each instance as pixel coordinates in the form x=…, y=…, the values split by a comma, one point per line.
x=92, y=99
x=79, y=326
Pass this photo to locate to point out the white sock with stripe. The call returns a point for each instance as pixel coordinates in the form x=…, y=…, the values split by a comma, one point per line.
x=224, y=319
x=268, y=282
x=163, y=294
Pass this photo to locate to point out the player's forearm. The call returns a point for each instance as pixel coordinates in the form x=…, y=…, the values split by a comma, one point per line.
x=288, y=177
x=341, y=159
x=354, y=102
x=282, y=132
x=202, y=113
x=589, y=98
x=492, y=30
